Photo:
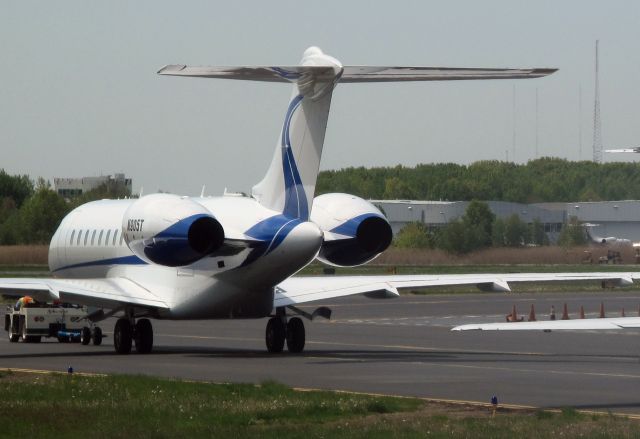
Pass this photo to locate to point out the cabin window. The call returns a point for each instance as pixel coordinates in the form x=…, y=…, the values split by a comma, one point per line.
x=86, y=237
x=121, y=238
x=106, y=238
x=100, y=237
x=115, y=236
x=93, y=237
x=79, y=236
x=73, y=233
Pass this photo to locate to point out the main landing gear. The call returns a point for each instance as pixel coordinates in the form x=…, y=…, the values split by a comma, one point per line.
x=280, y=330
x=127, y=331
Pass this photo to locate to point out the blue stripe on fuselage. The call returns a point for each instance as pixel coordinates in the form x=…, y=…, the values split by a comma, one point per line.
x=123, y=260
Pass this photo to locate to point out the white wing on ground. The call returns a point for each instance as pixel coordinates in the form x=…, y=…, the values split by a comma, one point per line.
x=302, y=289
x=556, y=325
x=104, y=293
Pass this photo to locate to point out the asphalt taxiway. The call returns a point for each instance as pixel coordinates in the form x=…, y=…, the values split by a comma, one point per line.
x=398, y=346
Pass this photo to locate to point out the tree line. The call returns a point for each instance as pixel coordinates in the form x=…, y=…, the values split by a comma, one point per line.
x=537, y=181
x=479, y=228
x=30, y=212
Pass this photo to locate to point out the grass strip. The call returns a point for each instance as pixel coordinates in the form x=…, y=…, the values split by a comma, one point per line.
x=67, y=406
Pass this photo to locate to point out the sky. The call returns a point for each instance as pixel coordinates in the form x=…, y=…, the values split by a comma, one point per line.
x=79, y=93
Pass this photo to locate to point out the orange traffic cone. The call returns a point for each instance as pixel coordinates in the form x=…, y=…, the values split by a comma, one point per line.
x=581, y=312
x=623, y=312
x=602, y=310
x=532, y=314
x=565, y=312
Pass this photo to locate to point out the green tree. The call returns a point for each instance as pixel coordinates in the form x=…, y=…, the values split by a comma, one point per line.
x=414, y=235
x=479, y=218
x=572, y=234
x=516, y=232
x=40, y=215
x=497, y=233
x=396, y=188
x=472, y=232
x=538, y=236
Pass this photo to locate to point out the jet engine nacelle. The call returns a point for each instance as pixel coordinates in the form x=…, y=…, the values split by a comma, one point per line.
x=170, y=230
x=355, y=231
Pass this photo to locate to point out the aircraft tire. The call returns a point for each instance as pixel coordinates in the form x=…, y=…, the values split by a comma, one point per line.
x=23, y=331
x=144, y=336
x=123, y=336
x=85, y=335
x=97, y=336
x=13, y=338
x=295, y=335
x=275, y=335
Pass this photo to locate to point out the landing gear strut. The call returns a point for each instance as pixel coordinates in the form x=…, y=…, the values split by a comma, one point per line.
x=279, y=330
x=126, y=332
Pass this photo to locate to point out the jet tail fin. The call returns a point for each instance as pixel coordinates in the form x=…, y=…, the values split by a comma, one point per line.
x=289, y=183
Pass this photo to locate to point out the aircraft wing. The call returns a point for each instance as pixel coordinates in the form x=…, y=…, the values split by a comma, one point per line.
x=108, y=293
x=302, y=289
x=556, y=325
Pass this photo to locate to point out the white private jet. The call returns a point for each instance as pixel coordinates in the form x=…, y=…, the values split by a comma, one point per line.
x=165, y=256
x=612, y=241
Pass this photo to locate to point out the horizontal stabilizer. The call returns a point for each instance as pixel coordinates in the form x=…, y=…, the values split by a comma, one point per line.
x=265, y=74
x=352, y=74
x=393, y=74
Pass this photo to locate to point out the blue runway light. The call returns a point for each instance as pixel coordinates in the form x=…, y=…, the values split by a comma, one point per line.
x=70, y=369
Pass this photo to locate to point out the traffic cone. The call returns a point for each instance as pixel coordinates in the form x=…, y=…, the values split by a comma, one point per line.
x=602, y=310
x=532, y=314
x=565, y=312
x=552, y=314
x=623, y=312
x=581, y=312
x=513, y=317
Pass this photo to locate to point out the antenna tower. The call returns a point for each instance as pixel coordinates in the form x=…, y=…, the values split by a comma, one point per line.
x=597, y=128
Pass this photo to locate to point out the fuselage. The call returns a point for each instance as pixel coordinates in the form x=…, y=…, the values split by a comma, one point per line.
x=262, y=248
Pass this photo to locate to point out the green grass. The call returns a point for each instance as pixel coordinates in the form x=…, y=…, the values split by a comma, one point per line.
x=61, y=406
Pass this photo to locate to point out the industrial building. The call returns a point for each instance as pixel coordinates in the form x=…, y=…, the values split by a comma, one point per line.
x=73, y=187
x=609, y=218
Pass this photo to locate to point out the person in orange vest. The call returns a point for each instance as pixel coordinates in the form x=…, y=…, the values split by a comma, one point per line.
x=22, y=302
